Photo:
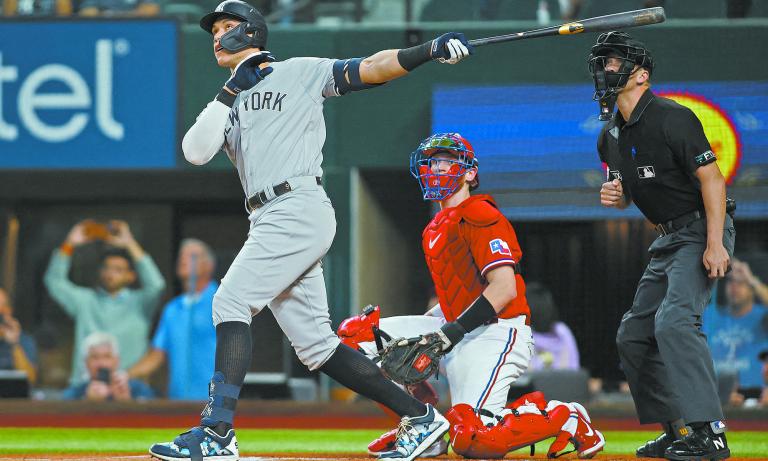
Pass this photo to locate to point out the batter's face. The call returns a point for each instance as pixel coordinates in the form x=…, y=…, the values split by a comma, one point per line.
x=223, y=57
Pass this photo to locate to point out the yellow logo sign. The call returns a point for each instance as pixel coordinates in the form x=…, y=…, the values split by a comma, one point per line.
x=718, y=128
x=571, y=28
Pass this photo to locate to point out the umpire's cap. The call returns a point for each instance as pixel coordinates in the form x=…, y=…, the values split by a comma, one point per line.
x=239, y=10
x=627, y=46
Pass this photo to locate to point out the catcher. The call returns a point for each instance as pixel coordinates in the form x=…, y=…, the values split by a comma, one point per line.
x=478, y=335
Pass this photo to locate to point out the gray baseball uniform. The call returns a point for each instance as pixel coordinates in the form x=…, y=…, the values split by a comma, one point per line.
x=274, y=133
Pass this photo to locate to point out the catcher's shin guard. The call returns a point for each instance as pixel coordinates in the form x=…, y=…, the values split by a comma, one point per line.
x=471, y=438
x=360, y=328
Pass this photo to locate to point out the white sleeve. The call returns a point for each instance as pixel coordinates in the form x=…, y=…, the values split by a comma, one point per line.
x=205, y=138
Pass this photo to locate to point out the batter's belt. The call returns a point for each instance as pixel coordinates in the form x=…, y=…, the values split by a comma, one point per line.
x=261, y=198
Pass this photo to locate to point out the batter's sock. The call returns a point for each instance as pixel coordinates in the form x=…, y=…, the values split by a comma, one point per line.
x=357, y=372
x=233, y=358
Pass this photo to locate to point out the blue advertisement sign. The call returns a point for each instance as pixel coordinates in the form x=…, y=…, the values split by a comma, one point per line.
x=544, y=137
x=88, y=94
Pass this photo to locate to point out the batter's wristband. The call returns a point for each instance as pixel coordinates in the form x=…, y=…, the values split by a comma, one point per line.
x=225, y=97
x=478, y=314
x=67, y=249
x=413, y=57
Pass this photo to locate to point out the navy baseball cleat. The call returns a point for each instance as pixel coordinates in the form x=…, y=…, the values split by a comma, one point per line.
x=704, y=443
x=198, y=444
x=416, y=435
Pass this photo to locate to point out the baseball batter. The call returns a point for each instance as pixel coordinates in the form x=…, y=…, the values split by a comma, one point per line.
x=482, y=317
x=268, y=117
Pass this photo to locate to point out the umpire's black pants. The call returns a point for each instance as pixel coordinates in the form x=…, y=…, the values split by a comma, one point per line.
x=663, y=351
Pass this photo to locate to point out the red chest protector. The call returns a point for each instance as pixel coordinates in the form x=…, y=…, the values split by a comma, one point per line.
x=447, y=249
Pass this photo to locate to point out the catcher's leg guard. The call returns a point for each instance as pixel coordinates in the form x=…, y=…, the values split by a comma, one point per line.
x=536, y=398
x=359, y=329
x=472, y=439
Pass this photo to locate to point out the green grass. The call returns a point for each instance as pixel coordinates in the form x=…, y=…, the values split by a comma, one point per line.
x=251, y=441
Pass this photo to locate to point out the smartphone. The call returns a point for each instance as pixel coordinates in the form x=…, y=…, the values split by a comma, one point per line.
x=103, y=375
x=96, y=230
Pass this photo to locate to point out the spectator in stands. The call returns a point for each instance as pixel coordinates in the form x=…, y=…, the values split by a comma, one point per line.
x=29, y=8
x=737, y=332
x=119, y=8
x=185, y=337
x=113, y=307
x=18, y=350
x=555, y=345
x=105, y=380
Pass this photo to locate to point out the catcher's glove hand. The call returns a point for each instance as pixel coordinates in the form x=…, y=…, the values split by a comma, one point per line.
x=412, y=360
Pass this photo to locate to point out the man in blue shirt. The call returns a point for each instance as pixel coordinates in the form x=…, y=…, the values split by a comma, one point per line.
x=185, y=336
x=737, y=332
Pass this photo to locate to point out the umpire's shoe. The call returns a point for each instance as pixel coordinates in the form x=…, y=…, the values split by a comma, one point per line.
x=415, y=435
x=704, y=443
x=198, y=444
x=655, y=448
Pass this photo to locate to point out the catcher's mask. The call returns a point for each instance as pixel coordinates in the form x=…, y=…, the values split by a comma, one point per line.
x=630, y=52
x=251, y=33
x=436, y=184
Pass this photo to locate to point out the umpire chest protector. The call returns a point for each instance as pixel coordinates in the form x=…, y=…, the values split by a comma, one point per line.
x=447, y=249
x=655, y=155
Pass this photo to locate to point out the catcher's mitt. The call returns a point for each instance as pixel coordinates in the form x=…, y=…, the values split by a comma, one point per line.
x=412, y=360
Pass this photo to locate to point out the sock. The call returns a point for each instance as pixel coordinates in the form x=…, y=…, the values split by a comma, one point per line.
x=357, y=372
x=233, y=358
x=678, y=428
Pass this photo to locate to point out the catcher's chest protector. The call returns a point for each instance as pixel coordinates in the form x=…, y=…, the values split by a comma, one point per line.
x=456, y=277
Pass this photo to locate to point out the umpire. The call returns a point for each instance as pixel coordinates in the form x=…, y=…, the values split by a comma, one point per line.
x=658, y=157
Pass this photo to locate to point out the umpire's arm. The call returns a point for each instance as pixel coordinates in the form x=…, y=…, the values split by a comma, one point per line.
x=715, y=257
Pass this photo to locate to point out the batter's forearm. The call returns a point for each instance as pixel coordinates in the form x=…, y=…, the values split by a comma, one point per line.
x=381, y=67
x=204, y=139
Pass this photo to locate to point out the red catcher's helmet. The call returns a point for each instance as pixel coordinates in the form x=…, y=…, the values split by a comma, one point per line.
x=436, y=185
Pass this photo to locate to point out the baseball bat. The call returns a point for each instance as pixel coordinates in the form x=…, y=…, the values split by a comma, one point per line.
x=615, y=21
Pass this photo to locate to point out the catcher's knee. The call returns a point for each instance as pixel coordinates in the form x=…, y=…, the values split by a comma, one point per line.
x=359, y=329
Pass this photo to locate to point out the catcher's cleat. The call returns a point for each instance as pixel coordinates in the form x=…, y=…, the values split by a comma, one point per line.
x=198, y=444
x=705, y=443
x=386, y=442
x=655, y=448
x=416, y=435
x=587, y=440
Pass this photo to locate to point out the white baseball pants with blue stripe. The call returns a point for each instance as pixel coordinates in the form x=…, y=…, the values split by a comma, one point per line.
x=482, y=366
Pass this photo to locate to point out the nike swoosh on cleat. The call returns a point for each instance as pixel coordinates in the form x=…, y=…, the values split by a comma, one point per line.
x=433, y=241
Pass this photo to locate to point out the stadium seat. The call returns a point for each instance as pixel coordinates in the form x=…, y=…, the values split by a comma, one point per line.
x=564, y=385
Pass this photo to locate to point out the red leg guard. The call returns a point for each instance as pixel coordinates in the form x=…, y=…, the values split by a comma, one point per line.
x=536, y=398
x=359, y=329
x=472, y=439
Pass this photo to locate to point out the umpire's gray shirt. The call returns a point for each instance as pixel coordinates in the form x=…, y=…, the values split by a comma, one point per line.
x=274, y=131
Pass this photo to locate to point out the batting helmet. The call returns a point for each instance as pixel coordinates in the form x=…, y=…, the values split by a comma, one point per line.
x=251, y=33
x=434, y=184
x=622, y=46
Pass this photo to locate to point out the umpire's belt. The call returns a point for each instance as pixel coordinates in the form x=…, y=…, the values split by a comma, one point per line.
x=674, y=225
x=261, y=198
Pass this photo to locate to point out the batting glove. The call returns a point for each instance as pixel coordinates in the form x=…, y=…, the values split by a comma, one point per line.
x=247, y=73
x=451, y=48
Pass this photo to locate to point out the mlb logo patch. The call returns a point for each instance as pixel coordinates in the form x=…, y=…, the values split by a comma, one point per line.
x=646, y=172
x=500, y=246
x=615, y=174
